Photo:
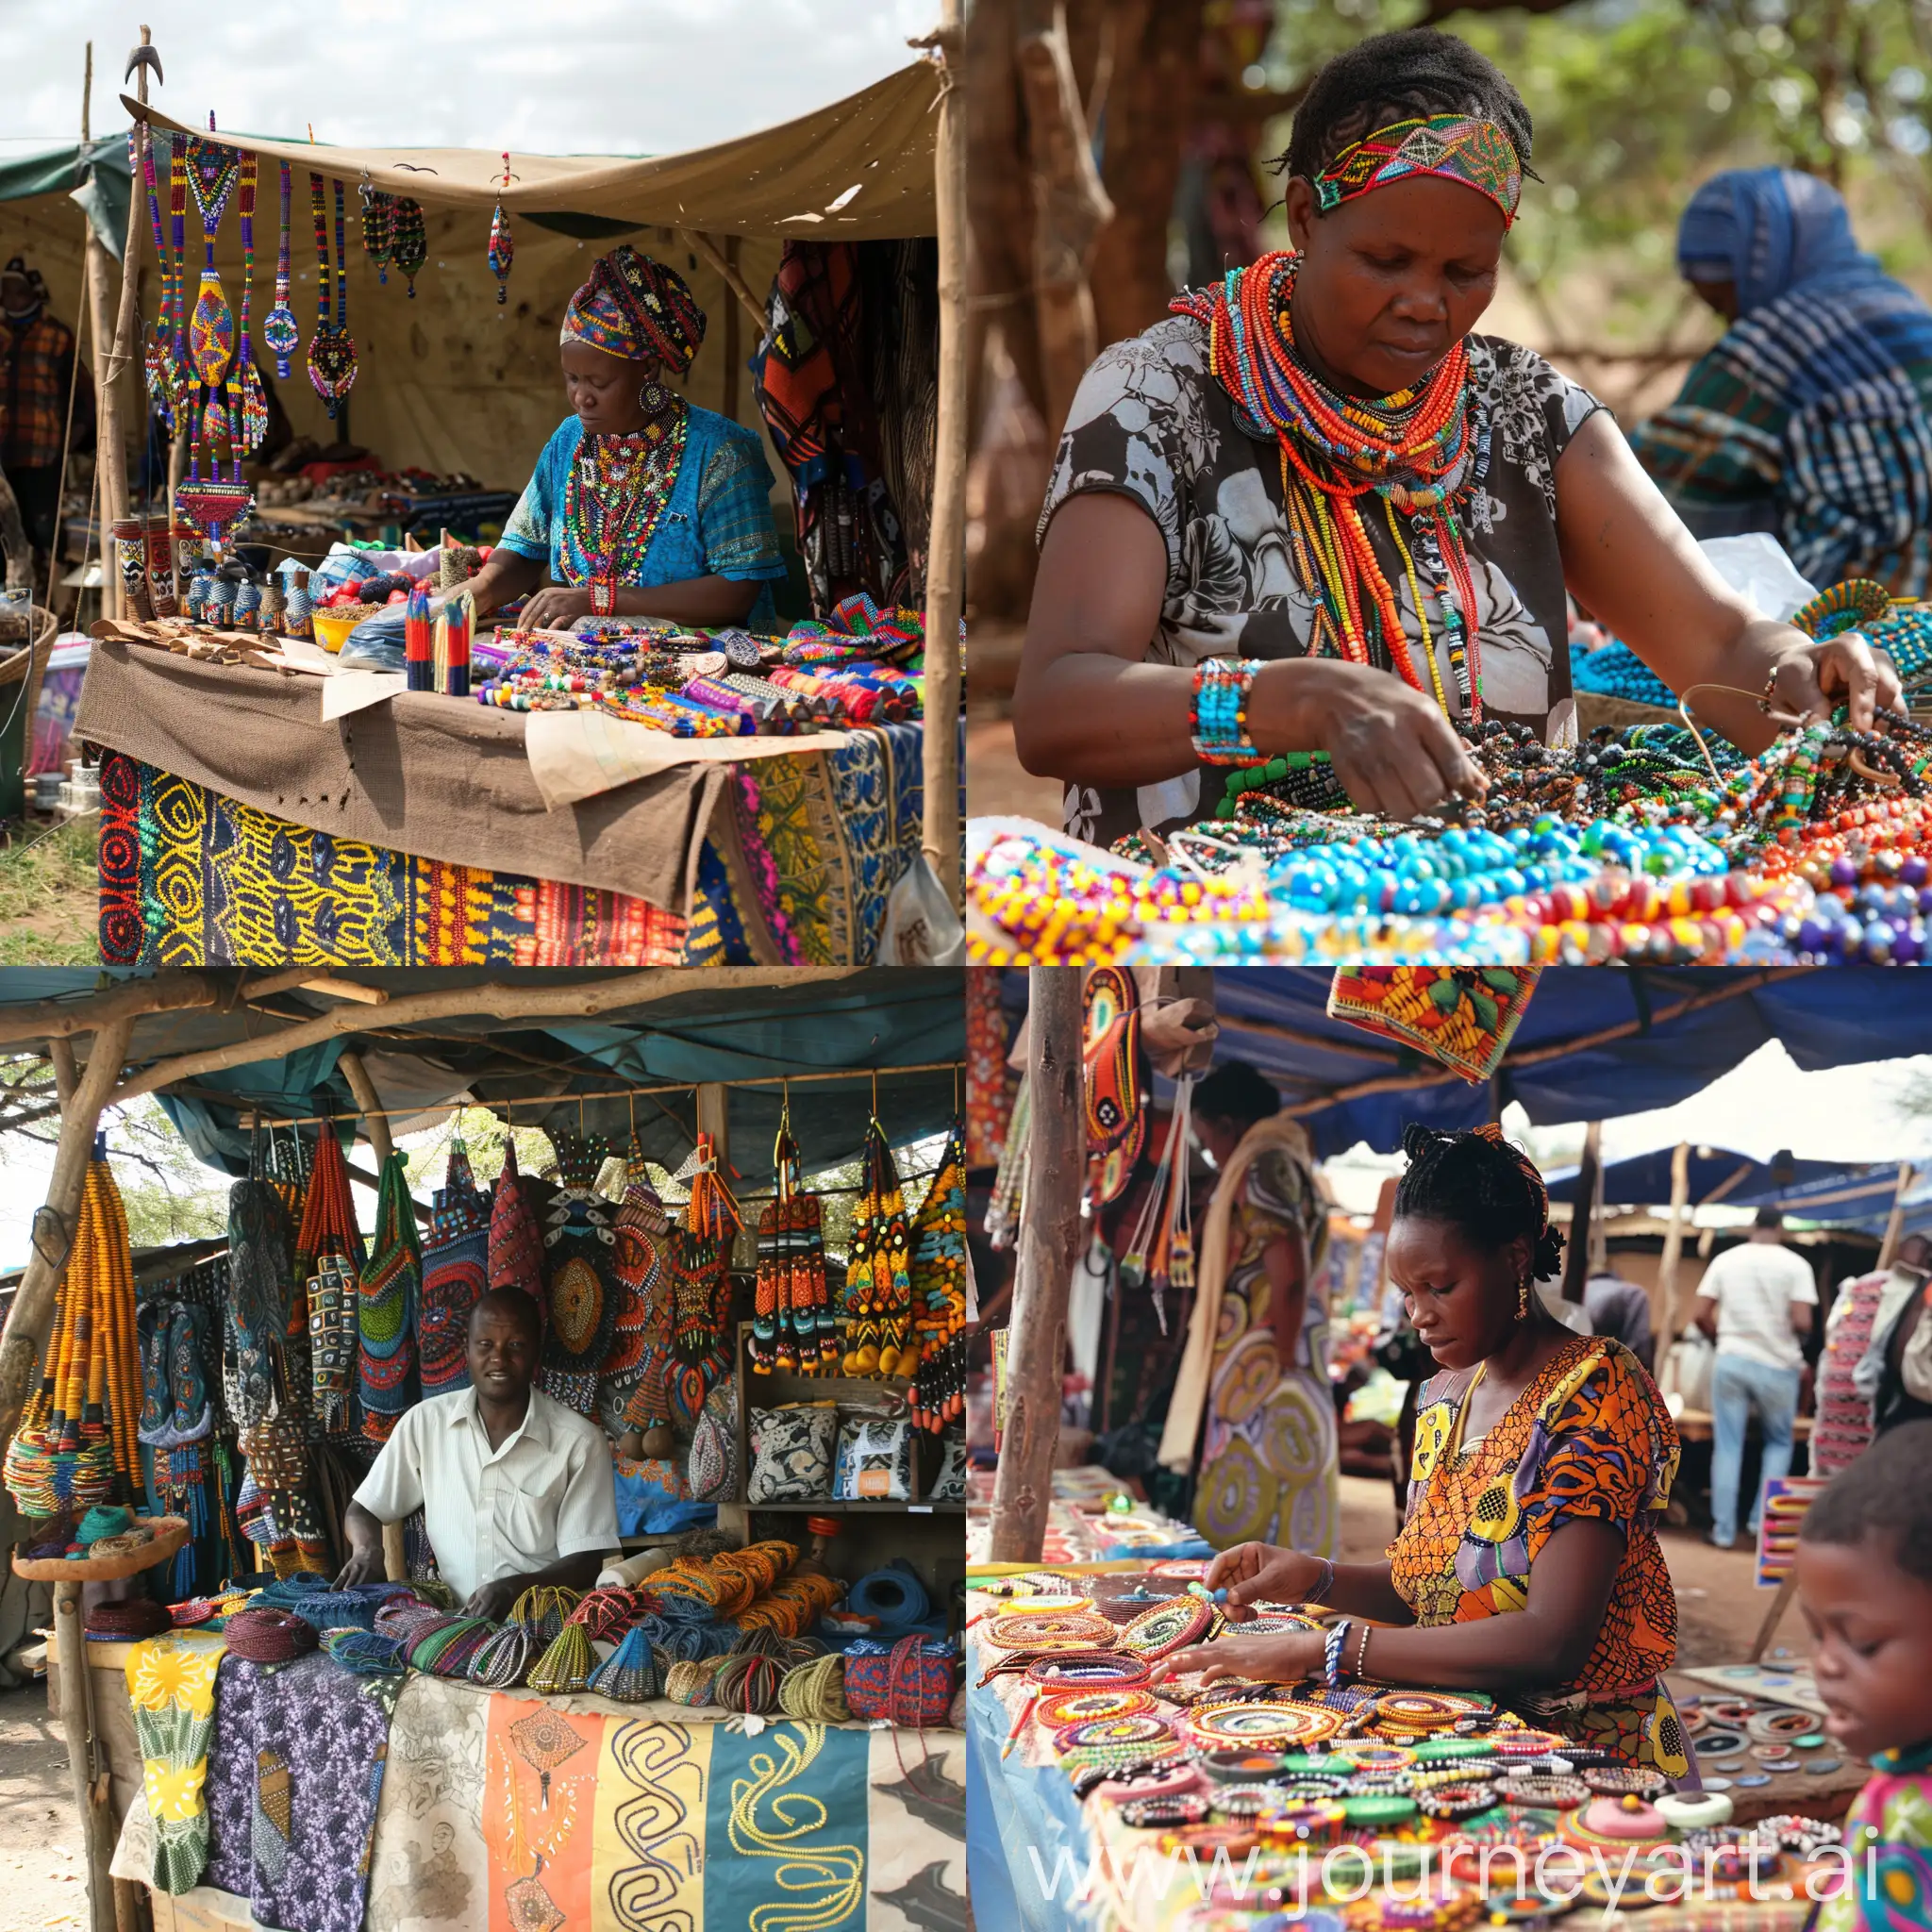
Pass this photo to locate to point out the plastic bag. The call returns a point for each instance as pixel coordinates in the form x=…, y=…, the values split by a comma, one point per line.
x=1757, y=564
x=921, y=926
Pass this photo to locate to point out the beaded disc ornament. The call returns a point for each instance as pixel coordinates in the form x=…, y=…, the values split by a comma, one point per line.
x=1420, y=1710
x=279, y=333
x=1088, y=1669
x=1049, y=1631
x=1137, y=1731
x=1168, y=1627
x=1061, y=1710
x=1280, y=1724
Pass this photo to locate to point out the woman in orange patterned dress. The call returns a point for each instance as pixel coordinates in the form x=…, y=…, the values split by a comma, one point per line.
x=1528, y=1566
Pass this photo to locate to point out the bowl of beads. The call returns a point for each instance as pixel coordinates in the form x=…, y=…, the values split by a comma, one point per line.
x=332, y=627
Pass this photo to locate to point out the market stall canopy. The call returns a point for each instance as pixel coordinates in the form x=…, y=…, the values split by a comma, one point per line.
x=873, y=1018
x=96, y=175
x=1808, y=1190
x=1594, y=1044
x=858, y=170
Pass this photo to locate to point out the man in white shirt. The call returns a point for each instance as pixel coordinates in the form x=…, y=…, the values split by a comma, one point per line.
x=516, y=1490
x=1755, y=1300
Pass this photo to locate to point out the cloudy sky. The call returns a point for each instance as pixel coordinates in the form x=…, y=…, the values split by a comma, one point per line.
x=561, y=76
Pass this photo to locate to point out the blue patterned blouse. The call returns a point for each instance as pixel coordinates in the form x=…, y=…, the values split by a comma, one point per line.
x=717, y=523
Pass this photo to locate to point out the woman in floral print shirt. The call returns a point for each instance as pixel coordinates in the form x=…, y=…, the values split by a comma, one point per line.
x=1179, y=525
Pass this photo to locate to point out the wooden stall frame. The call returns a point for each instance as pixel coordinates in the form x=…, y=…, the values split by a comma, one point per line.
x=106, y=1019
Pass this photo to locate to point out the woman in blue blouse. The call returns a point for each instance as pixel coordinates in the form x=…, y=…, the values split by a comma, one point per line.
x=643, y=504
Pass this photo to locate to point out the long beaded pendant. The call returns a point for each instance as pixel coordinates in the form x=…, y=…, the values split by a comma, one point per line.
x=331, y=350
x=278, y=329
x=212, y=172
x=247, y=406
x=502, y=248
x=159, y=357
x=409, y=244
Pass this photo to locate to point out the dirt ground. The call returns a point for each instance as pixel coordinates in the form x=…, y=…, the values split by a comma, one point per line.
x=40, y=1863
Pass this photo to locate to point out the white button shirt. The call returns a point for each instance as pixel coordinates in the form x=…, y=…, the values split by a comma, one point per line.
x=545, y=1493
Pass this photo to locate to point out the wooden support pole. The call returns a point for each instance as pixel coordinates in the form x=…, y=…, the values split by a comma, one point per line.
x=96, y=1824
x=945, y=563
x=32, y=1313
x=1895, y=1223
x=1049, y=1236
x=1673, y=1242
x=728, y=274
x=110, y=447
x=374, y=1121
x=127, y=318
x=714, y=1118
x=1582, y=1212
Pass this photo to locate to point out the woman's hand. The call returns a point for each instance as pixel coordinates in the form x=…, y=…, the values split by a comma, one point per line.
x=365, y=1565
x=1814, y=676
x=1262, y=1573
x=1394, y=752
x=556, y=608
x=1285, y=1659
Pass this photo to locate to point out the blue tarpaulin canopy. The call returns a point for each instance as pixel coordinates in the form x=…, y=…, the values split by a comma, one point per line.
x=531, y=1069
x=1721, y=1175
x=1592, y=1045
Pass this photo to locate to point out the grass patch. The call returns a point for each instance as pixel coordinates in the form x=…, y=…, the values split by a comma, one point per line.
x=49, y=897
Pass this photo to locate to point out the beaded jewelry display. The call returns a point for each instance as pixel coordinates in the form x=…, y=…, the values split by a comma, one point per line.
x=1619, y=1780
x=1149, y=1813
x=1139, y=1732
x=279, y=333
x=939, y=1292
x=1089, y=1669
x=579, y=1248
x=247, y=406
x=163, y=356
x=1221, y=711
x=331, y=349
x=502, y=246
x=1168, y=1627
x=408, y=240
x=1061, y=1710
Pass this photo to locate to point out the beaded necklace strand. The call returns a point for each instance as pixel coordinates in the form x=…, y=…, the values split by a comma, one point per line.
x=1413, y=448
x=247, y=406
x=278, y=329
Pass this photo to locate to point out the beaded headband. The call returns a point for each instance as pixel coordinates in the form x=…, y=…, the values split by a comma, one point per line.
x=1458, y=147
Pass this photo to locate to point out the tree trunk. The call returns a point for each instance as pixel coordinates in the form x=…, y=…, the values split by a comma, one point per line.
x=1049, y=1236
x=1150, y=108
x=1069, y=207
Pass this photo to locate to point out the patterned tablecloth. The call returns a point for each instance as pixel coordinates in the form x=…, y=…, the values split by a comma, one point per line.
x=792, y=867
x=509, y=1813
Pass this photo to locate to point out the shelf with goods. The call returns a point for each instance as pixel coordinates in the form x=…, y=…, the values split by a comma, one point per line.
x=930, y=1535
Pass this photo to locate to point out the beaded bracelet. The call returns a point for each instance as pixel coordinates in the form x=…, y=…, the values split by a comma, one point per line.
x=1455, y=1801
x=1320, y=1593
x=1221, y=711
x=1331, y=1653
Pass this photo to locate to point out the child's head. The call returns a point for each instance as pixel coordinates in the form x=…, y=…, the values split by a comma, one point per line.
x=1865, y=1581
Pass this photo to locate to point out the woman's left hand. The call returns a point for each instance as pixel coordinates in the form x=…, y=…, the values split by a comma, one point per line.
x=1284, y=1659
x=1814, y=676
x=556, y=608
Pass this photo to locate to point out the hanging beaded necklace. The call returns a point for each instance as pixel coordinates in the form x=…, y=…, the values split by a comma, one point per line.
x=247, y=406
x=378, y=228
x=1419, y=450
x=502, y=244
x=613, y=500
x=332, y=349
x=161, y=358
x=278, y=329
x=409, y=242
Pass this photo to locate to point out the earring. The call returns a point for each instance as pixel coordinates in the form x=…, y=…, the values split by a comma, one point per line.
x=653, y=398
x=1522, y=1299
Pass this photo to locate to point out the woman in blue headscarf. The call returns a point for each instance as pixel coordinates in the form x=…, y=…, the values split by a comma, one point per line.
x=1810, y=418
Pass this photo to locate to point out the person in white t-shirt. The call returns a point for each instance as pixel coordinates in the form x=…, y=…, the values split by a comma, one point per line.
x=1755, y=1300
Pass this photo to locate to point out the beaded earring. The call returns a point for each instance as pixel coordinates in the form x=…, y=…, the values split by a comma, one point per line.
x=378, y=228
x=502, y=248
x=278, y=329
x=408, y=247
x=1522, y=1299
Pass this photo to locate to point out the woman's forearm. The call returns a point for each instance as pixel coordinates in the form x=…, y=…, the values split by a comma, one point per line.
x=1092, y=718
x=1366, y=1590
x=502, y=580
x=1520, y=1651
x=1722, y=681
x=707, y=602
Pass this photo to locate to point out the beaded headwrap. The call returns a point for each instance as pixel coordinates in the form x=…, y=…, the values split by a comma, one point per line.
x=638, y=308
x=1458, y=147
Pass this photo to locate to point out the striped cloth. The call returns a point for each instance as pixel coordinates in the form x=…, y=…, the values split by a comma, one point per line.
x=36, y=371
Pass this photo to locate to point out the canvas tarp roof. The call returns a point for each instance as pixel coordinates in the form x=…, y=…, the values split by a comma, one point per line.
x=452, y=381
x=860, y=169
